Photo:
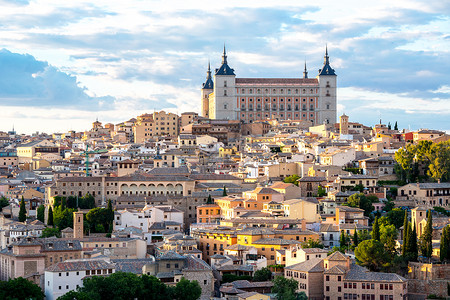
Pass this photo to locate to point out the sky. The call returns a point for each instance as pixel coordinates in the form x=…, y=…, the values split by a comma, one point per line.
x=64, y=64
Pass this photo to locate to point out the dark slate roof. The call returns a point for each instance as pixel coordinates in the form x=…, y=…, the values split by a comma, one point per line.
x=171, y=255
x=360, y=273
x=209, y=84
x=327, y=69
x=225, y=69
x=54, y=244
x=336, y=270
x=132, y=265
x=80, y=265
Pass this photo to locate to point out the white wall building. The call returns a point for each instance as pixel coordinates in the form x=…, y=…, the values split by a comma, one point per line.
x=67, y=276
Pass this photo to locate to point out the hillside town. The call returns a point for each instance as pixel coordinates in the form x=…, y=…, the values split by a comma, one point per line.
x=269, y=199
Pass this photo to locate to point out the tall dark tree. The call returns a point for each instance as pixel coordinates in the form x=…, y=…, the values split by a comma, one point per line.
x=41, y=213
x=50, y=216
x=110, y=215
x=210, y=200
x=445, y=244
x=224, y=194
x=405, y=231
x=426, y=246
x=406, y=240
x=413, y=242
x=355, y=238
x=3, y=202
x=376, y=230
x=395, y=126
x=389, y=126
x=22, y=211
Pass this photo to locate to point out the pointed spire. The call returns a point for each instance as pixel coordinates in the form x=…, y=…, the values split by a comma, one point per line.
x=208, y=83
x=224, y=56
x=305, y=72
x=326, y=58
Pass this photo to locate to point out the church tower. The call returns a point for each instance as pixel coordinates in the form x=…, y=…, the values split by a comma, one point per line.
x=223, y=104
x=207, y=88
x=78, y=224
x=343, y=125
x=327, y=92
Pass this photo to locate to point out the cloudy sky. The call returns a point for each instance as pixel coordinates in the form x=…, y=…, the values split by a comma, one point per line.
x=65, y=63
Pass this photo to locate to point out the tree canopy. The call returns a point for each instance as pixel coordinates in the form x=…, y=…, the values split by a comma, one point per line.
x=285, y=288
x=371, y=254
x=262, y=275
x=22, y=211
x=3, y=202
x=20, y=288
x=362, y=201
x=292, y=179
x=122, y=285
x=426, y=159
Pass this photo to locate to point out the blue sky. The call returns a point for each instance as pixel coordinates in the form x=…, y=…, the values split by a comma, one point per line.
x=65, y=63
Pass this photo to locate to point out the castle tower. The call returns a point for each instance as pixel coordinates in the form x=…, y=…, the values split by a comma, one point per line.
x=305, y=72
x=343, y=125
x=207, y=88
x=327, y=95
x=224, y=104
x=78, y=224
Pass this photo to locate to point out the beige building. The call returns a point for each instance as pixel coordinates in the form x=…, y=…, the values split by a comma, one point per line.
x=37, y=149
x=305, y=208
x=426, y=194
x=337, y=277
x=103, y=188
x=148, y=126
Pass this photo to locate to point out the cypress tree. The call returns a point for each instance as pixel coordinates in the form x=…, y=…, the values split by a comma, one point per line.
x=50, y=217
x=224, y=192
x=395, y=126
x=110, y=214
x=427, y=236
x=413, y=241
x=444, y=251
x=376, y=230
x=22, y=211
x=210, y=201
x=405, y=232
x=355, y=238
x=406, y=240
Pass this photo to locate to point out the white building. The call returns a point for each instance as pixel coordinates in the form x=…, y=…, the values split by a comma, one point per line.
x=145, y=218
x=296, y=254
x=67, y=276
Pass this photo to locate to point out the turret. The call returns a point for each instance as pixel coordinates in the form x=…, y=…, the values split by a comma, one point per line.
x=207, y=88
x=327, y=83
x=224, y=92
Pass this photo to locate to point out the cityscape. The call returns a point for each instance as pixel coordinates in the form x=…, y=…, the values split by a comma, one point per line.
x=140, y=160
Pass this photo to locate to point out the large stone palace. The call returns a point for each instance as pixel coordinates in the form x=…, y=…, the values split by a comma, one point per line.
x=252, y=99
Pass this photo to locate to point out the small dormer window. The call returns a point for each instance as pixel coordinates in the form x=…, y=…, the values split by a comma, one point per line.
x=225, y=83
x=50, y=245
x=225, y=92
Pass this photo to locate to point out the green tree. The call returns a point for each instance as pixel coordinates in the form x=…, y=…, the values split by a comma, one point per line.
x=98, y=219
x=41, y=213
x=414, y=249
x=355, y=238
x=445, y=244
x=262, y=275
x=224, y=194
x=20, y=289
x=3, y=202
x=376, y=230
x=50, y=231
x=22, y=211
x=405, y=234
x=110, y=216
x=210, y=200
x=292, y=179
x=321, y=192
x=439, y=168
x=187, y=290
x=359, y=187
x=426, y=246
x=396, y=217
x=344, y=241
x=395, y=126
x=74, y=295
x=388, y=237
x=389, y=126
x=371, y=254
x=284, y=288
x=153, y=289
x=63, y=218
x=50, y=217
x=360, y=200
x=312, y=244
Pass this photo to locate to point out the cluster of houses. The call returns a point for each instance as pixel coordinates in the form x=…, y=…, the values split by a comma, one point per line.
x=202, y=198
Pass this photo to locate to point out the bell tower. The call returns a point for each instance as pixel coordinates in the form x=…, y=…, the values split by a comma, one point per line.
x=78, y=224
x=207, y=88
